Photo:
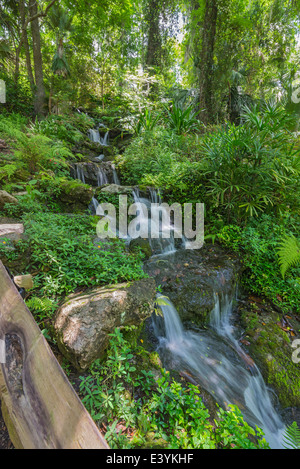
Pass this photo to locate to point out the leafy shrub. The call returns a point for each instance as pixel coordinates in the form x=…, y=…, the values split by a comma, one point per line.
x=253, y=167
x=66, y=257
x=150, y=153
x=173, y=414
x=181, y=119
x=57, y=128
x=33, y=151
x=259, y=255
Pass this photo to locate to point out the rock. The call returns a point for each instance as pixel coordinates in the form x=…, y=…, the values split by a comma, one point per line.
x=270, y=345
x=12, y=231
x=94, y=173
x=191, y=278
x=6, y=198
x=84, y=322
x=74, y=196
x=114, y=189
x=143, y=245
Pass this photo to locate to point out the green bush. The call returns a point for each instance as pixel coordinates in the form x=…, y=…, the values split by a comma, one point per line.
x=121, y=391
x=259, y=243
x=64, y=253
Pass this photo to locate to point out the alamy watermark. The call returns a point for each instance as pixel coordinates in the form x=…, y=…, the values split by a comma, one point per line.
x=152, y=221
x=296, y=354
x=2, y=92
x=2, y=351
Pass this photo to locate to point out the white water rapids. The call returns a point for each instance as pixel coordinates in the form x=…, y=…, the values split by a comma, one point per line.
x=216, y=361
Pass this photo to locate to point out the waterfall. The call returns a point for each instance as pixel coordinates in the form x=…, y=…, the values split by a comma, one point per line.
x=217, y=363
x=157, y=218
x=80, y=173
x=100, y=157
x=95, y=137
x=102, y=178
x=115, y=175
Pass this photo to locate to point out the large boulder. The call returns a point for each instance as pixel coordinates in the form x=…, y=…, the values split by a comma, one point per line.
x=6, y=198
x=192, y=278
x=84, y=322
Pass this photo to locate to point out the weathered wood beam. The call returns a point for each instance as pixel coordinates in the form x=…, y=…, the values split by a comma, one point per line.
x=39, y=406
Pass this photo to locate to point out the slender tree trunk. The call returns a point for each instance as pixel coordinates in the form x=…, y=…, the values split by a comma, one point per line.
x=153, y=55
x=26, y=46
x=207, y=60
x=40, y=94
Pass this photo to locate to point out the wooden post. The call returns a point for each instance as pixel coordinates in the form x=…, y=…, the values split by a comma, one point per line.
x=39, y=406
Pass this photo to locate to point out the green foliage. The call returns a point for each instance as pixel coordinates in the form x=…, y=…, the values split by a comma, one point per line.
x=65, y=128
x=292, y=437
x=150, y=153
x=172, y=414
x=252, y=167
x=146, y=122
x=259, y=250
x=64, y=253
x=7, y=171
x=35, y=152
x=289, y=253
x=181, y=119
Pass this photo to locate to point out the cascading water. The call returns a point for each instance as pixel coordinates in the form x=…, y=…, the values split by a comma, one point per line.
x=156, y=217
x=217, y=363
x=102, y=178
x=95, y=137
x=115, y=175
x=80, y=173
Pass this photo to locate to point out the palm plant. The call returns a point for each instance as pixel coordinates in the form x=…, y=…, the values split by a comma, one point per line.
x=60, y=22
x=146, y=121
x=181, y=119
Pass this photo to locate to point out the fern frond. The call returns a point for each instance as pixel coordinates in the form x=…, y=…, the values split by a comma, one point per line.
x=289, y=253
x=292, y=437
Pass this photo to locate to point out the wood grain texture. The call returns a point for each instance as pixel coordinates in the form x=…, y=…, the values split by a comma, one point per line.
x=40, y=407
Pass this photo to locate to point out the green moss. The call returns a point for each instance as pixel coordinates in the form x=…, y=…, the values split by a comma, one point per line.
x=270, y=347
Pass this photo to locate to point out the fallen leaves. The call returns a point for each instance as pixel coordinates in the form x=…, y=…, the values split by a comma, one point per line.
x=286, y=326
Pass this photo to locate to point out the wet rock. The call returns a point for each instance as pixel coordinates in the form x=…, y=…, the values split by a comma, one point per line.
x=191, y=278
x=114, y=189
x=84, y=321
x=74, y=196
x=93, y=173
x=141, y=244
x=267, y=338
x=6, y=198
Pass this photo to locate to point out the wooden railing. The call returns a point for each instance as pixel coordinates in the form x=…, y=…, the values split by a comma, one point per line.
x=40, y=408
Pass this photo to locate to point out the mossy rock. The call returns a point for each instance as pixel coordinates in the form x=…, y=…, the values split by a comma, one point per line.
x=142, y=245
x=271, y=348
x=74, y=196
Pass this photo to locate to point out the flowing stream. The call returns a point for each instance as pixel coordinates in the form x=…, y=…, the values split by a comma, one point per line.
x=216, y=361
x=212, y=357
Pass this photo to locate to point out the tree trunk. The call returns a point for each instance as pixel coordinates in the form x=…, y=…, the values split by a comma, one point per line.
x=207, y=60
x=153, y=56
x=40, y=108
x=26, y=46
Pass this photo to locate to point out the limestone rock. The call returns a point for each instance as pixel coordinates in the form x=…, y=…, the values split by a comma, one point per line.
x=84, y=322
